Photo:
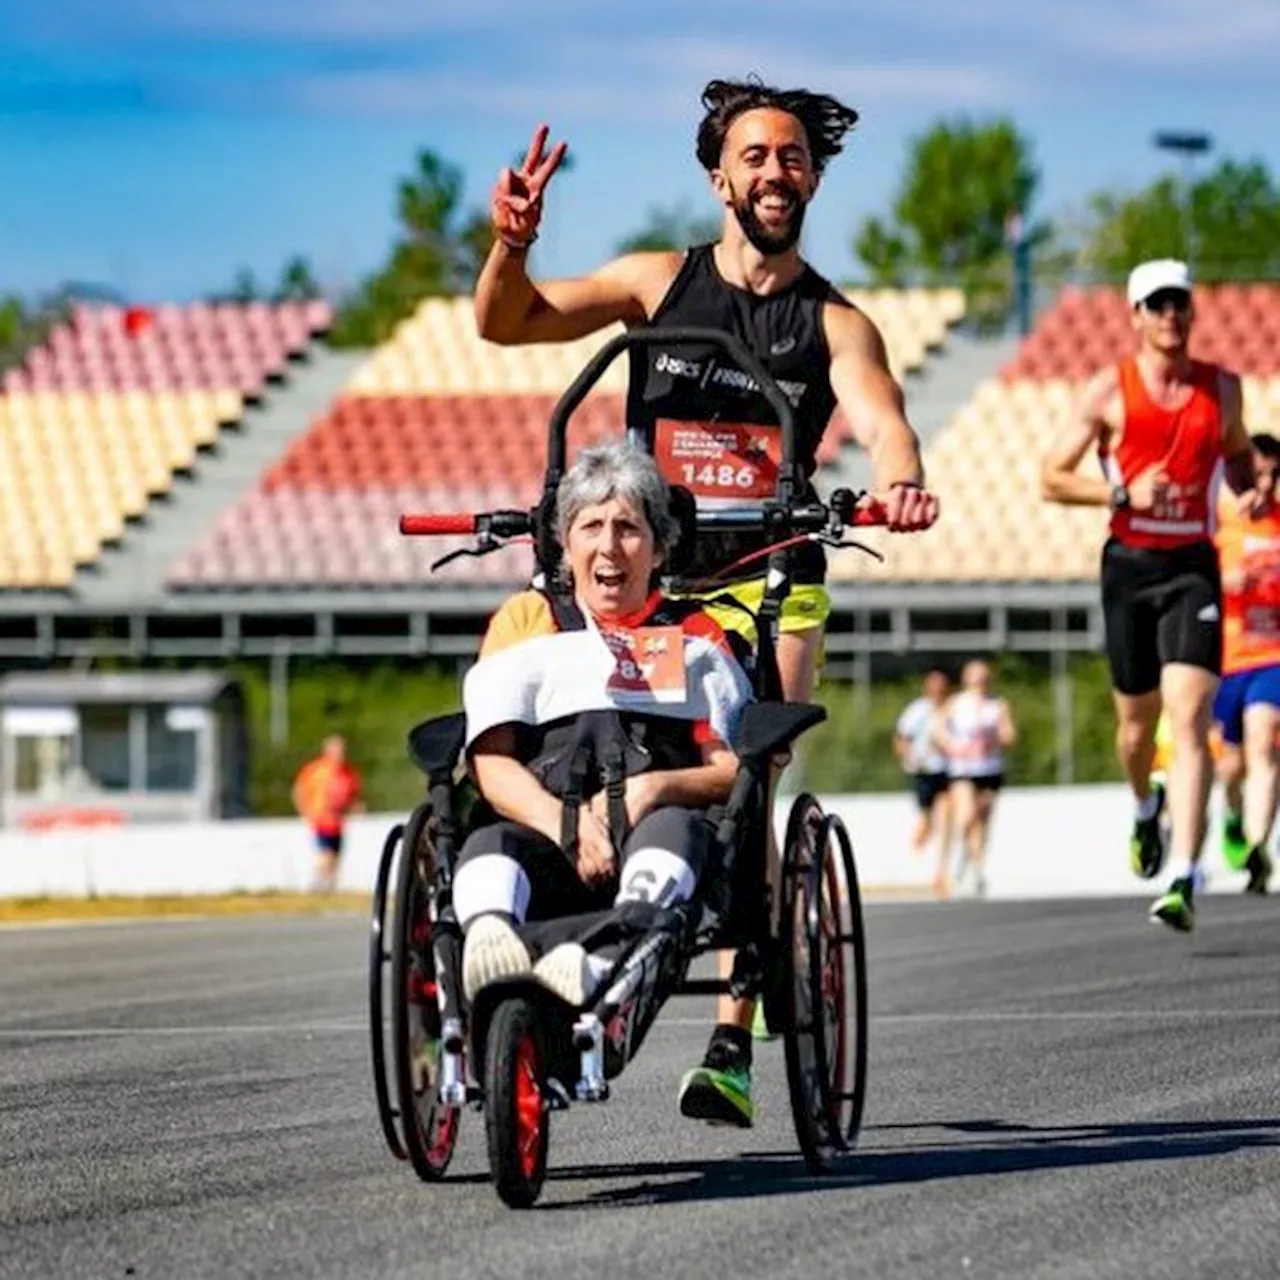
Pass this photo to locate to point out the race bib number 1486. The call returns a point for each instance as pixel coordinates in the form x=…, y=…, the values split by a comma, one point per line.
x=720, y=463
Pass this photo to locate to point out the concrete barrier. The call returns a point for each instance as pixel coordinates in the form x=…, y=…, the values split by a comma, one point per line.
x=1046, y=843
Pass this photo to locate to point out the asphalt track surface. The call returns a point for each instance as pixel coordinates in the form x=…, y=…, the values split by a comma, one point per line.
x=1056, y=1090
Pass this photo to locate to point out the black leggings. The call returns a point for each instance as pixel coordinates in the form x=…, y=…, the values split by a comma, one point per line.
x=516, y=871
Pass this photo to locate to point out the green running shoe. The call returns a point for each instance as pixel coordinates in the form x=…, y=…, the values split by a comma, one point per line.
x=1235, y=848
x=1146, y=844
x=719, y=1091
x=1176, y=908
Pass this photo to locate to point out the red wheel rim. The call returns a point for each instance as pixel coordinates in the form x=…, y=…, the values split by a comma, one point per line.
x=444, y=1134
x=529, y=1115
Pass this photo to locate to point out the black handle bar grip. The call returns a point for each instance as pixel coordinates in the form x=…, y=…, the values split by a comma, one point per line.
x=810, y=517
x=595, y=368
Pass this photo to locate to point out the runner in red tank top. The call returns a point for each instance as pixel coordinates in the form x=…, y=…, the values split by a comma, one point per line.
x=1165, y=427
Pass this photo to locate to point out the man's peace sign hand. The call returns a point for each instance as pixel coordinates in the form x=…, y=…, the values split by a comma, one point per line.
x=516, y=205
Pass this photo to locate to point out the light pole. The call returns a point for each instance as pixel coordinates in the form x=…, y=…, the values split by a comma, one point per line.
x=1190, y=146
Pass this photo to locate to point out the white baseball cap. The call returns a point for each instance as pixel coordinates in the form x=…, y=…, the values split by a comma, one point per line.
x=1161, y=273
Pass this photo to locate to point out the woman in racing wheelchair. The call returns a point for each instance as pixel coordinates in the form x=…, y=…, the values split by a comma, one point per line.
x=567, y=682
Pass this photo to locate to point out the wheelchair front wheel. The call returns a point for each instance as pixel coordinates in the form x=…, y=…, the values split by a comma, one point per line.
x=430, y=1127
x=516, y=1111
x=824, y=953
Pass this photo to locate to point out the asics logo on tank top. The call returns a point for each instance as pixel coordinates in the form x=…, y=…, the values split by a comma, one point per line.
x=712, y=373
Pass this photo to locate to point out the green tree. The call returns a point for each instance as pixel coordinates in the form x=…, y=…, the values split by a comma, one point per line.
x=964, y=180
x=674, y=228
x=297, y=282
x=1227, y=223
x=13, y=316
x=437, y=254
x=244, y=289
x=472, y=246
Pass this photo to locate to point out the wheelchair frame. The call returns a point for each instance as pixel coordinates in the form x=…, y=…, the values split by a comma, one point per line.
x=519, y=1052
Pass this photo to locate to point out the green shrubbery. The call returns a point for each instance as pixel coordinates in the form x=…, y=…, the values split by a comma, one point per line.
x=375, y=704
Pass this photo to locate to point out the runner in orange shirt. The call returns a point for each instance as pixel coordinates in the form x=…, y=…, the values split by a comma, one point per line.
x=325, y=791
x=1247, y=706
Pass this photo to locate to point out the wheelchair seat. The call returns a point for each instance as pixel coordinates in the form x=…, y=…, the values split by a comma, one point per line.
x=435, y=746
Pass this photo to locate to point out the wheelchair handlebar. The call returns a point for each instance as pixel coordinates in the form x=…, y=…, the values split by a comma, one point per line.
x=850, y=510
x=427, y=526
x=496, y=524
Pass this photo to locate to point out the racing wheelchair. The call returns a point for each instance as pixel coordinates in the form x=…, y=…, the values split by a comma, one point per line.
x=518, y=1052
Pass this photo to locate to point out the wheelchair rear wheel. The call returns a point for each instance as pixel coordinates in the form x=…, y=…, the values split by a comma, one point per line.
x=516, y=1111
x=824, y=951
x=430, y=1128
x=379, y=959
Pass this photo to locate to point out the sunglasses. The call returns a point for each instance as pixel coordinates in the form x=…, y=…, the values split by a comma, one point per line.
x=1162, y=299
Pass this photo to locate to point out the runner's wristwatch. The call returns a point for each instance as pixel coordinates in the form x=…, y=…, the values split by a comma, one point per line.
x=1119, y=498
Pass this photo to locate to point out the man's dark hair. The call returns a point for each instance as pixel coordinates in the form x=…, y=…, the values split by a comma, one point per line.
x=825, y=120
x=1267, y=445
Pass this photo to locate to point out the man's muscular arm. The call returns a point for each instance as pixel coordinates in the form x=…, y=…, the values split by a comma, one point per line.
x=872, y=402
x=870, y=398
x=1059, y=478
x=511, y=309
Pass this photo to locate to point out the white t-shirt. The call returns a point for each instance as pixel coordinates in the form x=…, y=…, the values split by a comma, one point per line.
x=916, y=724
x=973, y=725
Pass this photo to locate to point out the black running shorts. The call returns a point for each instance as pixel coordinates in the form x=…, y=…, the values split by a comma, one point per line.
x=928, y=787
x=1160, y=607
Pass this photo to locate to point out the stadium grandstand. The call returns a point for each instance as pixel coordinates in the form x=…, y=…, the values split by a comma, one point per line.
x=215, y=480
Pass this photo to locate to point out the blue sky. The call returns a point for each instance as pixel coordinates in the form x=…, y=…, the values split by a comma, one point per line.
x=159, y=145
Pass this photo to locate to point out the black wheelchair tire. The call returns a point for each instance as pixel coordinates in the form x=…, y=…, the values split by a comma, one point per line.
x=824, y=957
x=516, y=1112
x=379, y=959
x=430, y=1128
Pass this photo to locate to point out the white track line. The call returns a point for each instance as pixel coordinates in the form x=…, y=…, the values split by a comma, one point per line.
x=1058, y=1015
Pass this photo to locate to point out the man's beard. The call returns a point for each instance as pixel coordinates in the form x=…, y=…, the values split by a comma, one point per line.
x=761, y=237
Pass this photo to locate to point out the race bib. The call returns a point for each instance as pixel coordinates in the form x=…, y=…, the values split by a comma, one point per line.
x=720, y=463
x=648, y=665
x=1262, y=622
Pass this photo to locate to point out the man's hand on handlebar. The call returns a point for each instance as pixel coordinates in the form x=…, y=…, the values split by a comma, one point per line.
x=908, y=508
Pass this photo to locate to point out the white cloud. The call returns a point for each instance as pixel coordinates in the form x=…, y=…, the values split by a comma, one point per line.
x=931, y=82
x=293, y=21
x=1090, y=35
x=1174, y=33
x=641, y=79
x=408, y=94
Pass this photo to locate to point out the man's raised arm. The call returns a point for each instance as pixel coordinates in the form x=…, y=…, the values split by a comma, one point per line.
x=511, y=309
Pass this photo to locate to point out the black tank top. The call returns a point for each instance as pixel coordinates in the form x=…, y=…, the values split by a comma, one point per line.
x=694, y=383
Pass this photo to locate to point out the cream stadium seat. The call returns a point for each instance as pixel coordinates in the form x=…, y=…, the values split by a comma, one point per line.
x=78, y=464
x=985, y=468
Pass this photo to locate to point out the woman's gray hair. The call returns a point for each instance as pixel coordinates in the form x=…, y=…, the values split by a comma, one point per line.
x=618, y=470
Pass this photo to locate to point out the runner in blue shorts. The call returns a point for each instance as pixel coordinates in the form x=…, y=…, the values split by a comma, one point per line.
x=1247, y=705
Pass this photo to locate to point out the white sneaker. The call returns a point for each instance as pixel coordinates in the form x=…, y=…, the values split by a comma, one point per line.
x=571, y=972
x=492, y=949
